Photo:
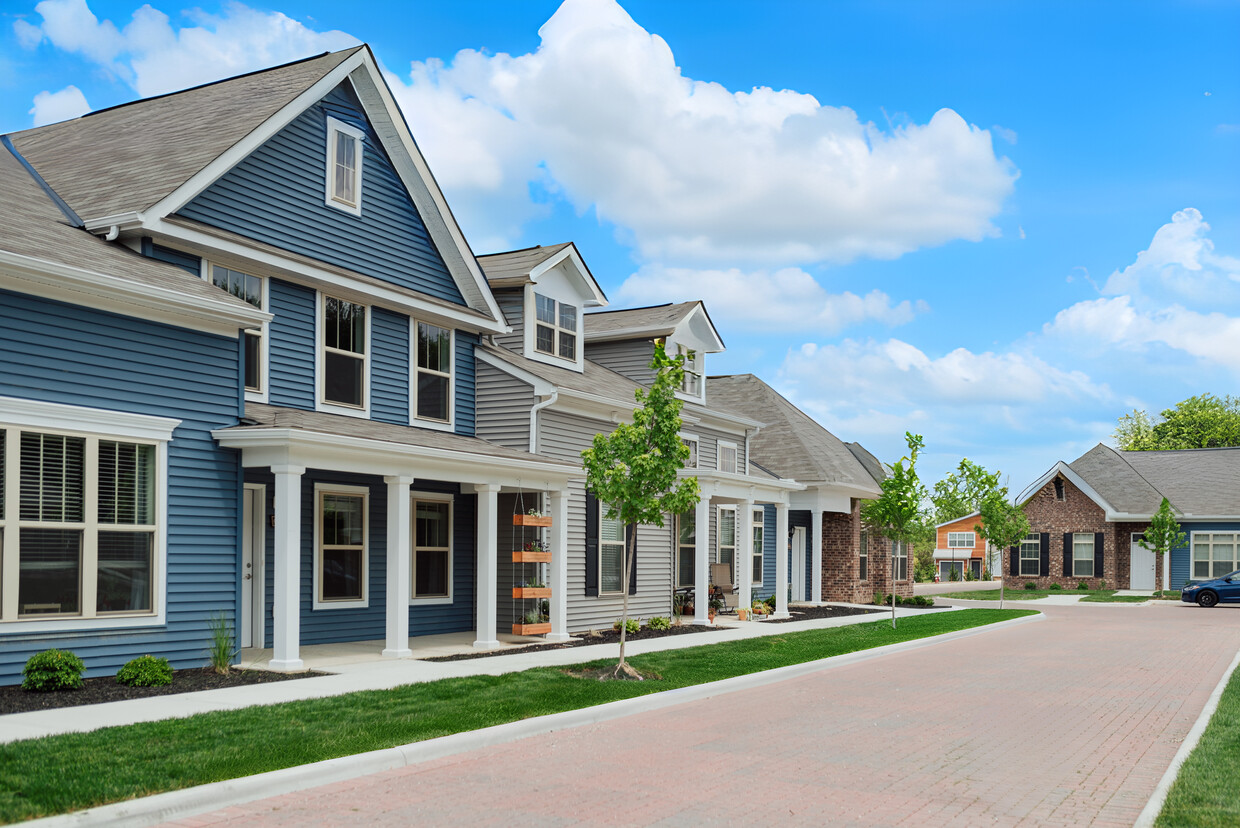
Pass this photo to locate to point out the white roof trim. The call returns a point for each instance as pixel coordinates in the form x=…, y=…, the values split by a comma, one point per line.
x=1062, y=468
x=541, y=386
x=583, y=273
x=715, y=347
x=964, y=517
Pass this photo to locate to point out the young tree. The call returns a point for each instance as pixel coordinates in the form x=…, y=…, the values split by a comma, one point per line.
x=1163, y=534
x=1003, y=525
x=633, y=470
x=899, y=513
x=962, y=491
x=1204, y=421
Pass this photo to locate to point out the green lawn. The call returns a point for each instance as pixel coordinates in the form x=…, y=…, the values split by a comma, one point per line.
x=1204, y=793
x=1095, y=595
x=58, y=774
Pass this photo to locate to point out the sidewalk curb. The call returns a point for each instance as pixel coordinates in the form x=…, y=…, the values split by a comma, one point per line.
x=214, y=796
x=1159, y=798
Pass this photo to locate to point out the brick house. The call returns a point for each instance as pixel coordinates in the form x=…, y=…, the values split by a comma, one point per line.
x=1087, y=517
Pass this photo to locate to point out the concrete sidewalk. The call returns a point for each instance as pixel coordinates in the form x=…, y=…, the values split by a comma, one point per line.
x=372, y=673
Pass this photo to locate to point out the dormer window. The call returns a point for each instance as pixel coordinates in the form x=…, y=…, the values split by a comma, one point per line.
x=344, y=166
x=555, y=330
x=692, y=382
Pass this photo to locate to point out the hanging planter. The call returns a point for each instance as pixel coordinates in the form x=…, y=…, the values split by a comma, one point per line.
x=531, y=629
x=531, y=592
x=531, y=520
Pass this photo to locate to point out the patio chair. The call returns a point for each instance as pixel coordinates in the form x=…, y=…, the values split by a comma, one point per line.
x=721, y=578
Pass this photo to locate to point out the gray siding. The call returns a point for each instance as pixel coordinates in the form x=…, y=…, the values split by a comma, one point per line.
x=276, y=195
x=503, y=403
x=630, y=358
x=708, y=445
x=564, y=436
x=512, y=303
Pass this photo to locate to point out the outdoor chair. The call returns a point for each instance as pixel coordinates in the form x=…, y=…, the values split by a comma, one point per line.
x=721, y=578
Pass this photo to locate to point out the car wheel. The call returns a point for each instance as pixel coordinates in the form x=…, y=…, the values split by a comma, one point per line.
x=1207, y=599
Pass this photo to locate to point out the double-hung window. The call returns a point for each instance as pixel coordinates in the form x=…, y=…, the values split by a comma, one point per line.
x=692, y=382
x=1031, y=555
x=1215, y=554
x=251, y=289
x=900, y=560
x=555, y=327
x=864, y=554
x=960, y=540
x=1083, y=555
x=344, y=353
x=727, y=457
x=432, y=547
x=686, y=548
x=611, y=551
x=759, y=528
x=344, y=166
x=691, y=442
x=727, y=540
x=433, y=383
x=341, y=559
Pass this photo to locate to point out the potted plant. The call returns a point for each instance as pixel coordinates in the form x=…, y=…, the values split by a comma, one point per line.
x=715, y=606
x=531, y=518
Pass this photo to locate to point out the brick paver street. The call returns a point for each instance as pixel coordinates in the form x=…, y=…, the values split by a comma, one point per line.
x=1065, y=722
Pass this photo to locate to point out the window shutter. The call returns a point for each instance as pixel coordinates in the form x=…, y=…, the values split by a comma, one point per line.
x=591, y=544
x=1044, y=543
x=1067, y=554
x=1099, y=544
x=630, y=536
x=1044, y=562
x=1014, y=560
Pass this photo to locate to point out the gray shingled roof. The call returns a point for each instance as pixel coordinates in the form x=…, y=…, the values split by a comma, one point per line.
x=594, y=379
x=512, y=269
x=658, y=320
x=1196, y=481
x=791, y=443
x=270, y=416
x=34, y=226
x=129, y=157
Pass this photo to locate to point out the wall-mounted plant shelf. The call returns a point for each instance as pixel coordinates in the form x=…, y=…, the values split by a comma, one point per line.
x=531, y=520
x=523, y=556
x=531, y=629
x=531, y=592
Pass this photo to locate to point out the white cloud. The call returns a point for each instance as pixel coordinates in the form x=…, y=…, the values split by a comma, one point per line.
x=698, y=174
x=50, y=107
x=1181, y=261
x=784, y=300
x=1210, y=336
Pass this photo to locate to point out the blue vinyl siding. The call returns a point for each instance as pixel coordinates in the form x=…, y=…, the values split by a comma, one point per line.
x=803, y=518
x=276, y=195
x=769, y=545
x=1182, y=556
x=291, y=373
x=389, y=371
x=466, y=372
x=60, y=353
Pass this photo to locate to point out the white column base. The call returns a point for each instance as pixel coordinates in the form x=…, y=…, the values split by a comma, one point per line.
x=558, y=638
x=485, y=645
x=289, y=666
x=398, y=653
x=776, y=616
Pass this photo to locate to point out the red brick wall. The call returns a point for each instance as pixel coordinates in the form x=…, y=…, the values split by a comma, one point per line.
x=841, y=561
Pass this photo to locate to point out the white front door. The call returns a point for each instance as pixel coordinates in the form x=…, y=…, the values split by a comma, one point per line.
x=252, y=557
x=1141, y=565
x=799, y=590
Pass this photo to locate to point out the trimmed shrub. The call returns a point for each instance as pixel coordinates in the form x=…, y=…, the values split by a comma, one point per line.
x=1055, y=586
x=658, y=622
x=53, y=670
x=145, y=671
x=1030, y=585
x=631, y=626
x=1082, y=585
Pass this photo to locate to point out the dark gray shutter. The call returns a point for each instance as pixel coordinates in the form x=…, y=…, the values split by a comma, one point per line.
x=630, y=536
x=1044, y=560
x=1067, y=554
x=591, y=544
x=1014, y=561
x=1099, y=544
x=1044, y=544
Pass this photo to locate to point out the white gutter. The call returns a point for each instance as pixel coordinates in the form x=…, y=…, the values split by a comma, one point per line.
x=549, y=400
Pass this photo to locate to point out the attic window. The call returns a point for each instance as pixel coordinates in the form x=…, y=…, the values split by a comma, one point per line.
x=1059, y=488
x=692, y=382
x=344, y=166
x=555, y=330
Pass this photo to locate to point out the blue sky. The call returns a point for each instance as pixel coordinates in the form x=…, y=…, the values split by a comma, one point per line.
x=1000, y=225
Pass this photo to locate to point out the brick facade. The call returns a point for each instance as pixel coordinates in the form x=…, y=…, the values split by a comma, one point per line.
x=1076, y=512
x=841, y=560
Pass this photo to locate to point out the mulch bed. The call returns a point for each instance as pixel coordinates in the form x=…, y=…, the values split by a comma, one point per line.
x=13, y=699
x=599, y=637
x=807, y=613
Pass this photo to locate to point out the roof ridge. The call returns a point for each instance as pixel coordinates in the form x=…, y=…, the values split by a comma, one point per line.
x=522, y=250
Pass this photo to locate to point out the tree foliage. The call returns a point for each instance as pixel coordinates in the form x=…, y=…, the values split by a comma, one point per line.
x=633, y=470
x=1204, y=421
x=1163, y=533
x=961, y=492
x=1003, y=525
x=899, y=513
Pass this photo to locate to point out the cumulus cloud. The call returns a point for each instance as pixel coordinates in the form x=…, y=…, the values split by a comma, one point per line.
x=154, y=57
x=784, y=300
x=1210, y=336
x=695, y=173
x=50, y=107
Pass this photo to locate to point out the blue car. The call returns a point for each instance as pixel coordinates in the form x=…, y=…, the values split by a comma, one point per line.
x=1209, y=593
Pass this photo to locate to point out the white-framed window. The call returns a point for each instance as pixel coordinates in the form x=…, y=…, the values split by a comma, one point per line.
x=611, y=551
x=344, y=342
x=691, y=440
x=1082, y=555
x=727, y=539
x=1031, y=555
x=344, y=166
x=864, y=554
x=341, y=534
x=686, y=548
x=432, y=548
x=82, y=517
x=555, y=327
x=961, y=540
x=900, y=560
x=1215, y=554
x=432, y=382
x=758, y=525
x=727, y=457
x=691, y=384
x=251, y=289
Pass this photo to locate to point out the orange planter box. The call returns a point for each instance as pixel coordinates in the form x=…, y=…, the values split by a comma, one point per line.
x=521, y=556
x=531, y=520
x=531, y=629
x=531, y=592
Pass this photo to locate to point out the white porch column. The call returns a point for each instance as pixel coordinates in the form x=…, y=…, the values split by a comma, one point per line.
x=487, y=564
x=701, y=560
x=744, y=553
x=558, y=578
x=815, y=542
x=399, y=552
x=781, y=561
x=286, y=580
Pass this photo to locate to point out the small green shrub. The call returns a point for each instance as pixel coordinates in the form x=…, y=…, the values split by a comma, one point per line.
x=658, y=622
x=1102, y=585
x=53, y=670
x=146, y=671
x=1030, y=585
x=770, y=601
x=221, y=651
x=1055, y=586
x=878, y=598
x=1082, y=585
x=631, y=626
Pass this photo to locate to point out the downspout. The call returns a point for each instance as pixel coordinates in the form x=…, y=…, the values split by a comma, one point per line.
x=555, y=395
x=113, y=232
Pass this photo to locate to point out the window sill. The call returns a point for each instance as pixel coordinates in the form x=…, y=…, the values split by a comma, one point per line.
x=77, y=624
x=438, y=600
x=335, y=605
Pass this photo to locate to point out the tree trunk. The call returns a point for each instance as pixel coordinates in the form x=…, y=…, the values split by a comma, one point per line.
x=623, y=669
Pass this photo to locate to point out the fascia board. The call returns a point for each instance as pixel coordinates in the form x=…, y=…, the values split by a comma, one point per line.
x=122, y=221
x=719, y=418
x=965, y=517
x=78, y=286
x=570, y=253
x=714, y=347
x=628, y=333
x=726, y=485
x=541, y=386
